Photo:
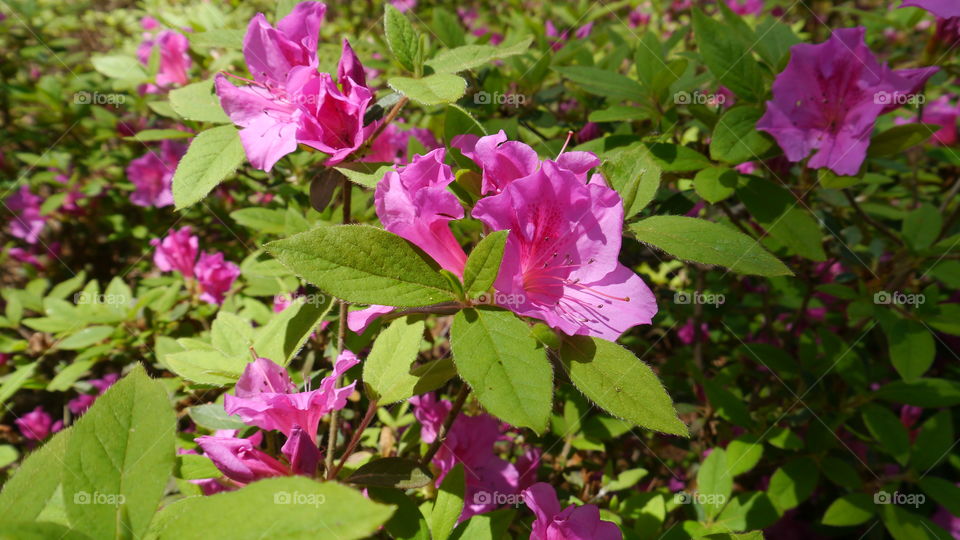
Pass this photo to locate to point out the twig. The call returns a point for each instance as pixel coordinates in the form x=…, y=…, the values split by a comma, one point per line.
x=367, y=418
x=445, y=428
x=880, y=227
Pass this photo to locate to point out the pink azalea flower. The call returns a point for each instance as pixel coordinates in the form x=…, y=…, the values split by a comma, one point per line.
x=239, y=459
x=941, y=8
x=746, y=7
x=504, y=161
x=359, y=320
x=174, y=60
x=267, y=398
x=571, y=523
x=471, y=442
x=640, y=15
x=392, y=144
x=414, y=203
x=404, y=5
x=828, y=98
x=686, y=333
x=149, y=23
x=152, y=174
x=560, y=261
x=81, y=403
x=215, y=276
x=37, y=425
x=301, y=452
x=27, y=223
x=942, y=113
x=176, y=252
x=748, y=167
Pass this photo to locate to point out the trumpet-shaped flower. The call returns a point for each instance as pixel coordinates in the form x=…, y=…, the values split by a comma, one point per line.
x=152, y=174
x=215, y=276
x=239, y=459
x=177, y=251
x=829, y=97
x=560, y=261
x=174, y=61
x=27, y=222
x=267, y=398
x=571, y=523
x=37, y=425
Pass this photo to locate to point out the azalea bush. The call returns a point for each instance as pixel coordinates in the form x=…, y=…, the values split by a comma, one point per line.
x=556, y=271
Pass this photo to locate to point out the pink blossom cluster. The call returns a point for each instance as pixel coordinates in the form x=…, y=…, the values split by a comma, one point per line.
x=177, y=252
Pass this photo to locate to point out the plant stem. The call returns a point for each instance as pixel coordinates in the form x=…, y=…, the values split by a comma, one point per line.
x=341, y=336
x=445, y=428
x=367, y=418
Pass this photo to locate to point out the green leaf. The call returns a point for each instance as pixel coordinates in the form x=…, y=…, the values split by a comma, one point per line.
x=386, y=371
x=198, y=102
x=905, y=525
x=364, y=174
x=841, y=473
x=709, y=243
x=288, y=331
x=921, y=228
x=634, y=174
x=231, y=335
x=391, y=472
x=483, y=264
x=469, y=57
x=743, y=454
x=508, y=371
x=26, y=494
x=363, y=265
x=912, y=348
x=213, y=417
x=736, y=139
x=715, y=184
x=8, y=455
x=70, y=374
x=926, y=392
x=213, y=155
x=898, y=139
x=850, y=510
x=745, y=511
x=119, y=459
x=715, y=482
x=401, y=37
x=604, y=83
x=449, y=504
x=793, y=483
x=292, y=507
x=196, y=467
x=85, y=338
x=210, y=368
x=620, y=383
x=150, y=135
x=119, y=67
x=489, y=526
x=784, y=439
x=776, y=209
x=263, y=220
x=619, y=113
x=678, y=159
x=727, y=404
x=887, y=429
x=945, y=493
x=436, y=89
x=24, y=530
x=934, y=441
x=15, y=380
x=407, y=522
x=728, y=57
x=224, y=38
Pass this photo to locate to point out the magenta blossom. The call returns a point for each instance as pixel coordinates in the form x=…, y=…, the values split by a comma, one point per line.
x=571, y=523
x=27, y=223
x=215, y=276
x=640, y=15
x=560, y=261
x=152, y=174
x=267, y=398
x=504, y=161
x=392, y=144
x=471, y=442
x=746, y=7
x=940, y=112
x=37, y=425
x=176, y=252
x=239, y=459
x=174, y=60
x=941, y=8
x=81, y=403
x=828, y=98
